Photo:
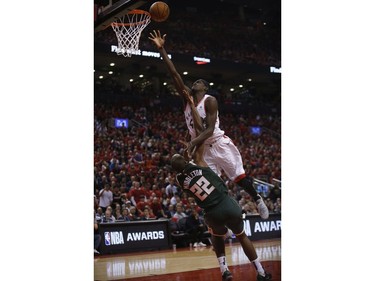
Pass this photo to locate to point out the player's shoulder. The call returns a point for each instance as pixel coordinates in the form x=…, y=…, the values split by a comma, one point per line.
x=210, y=102
x=210, y=99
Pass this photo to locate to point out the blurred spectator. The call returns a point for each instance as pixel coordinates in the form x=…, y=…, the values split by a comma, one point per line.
x=128, y=204
x=117, y=207
x=141, y=204
x=157, y=191
x=195, y=227
x=116, y=195
x=171, y=189
x=170, y=212
x=133, y=214
x=176, y=199
x=157, y=208
x=99, y=214
x=250, y=208
x=165, y=201
x=105, y=197
x=179, y=213
x=277, y=205
x=108, y=217
x=136, y=192
x=118, y=215
x=148, y=215
x=125, y=214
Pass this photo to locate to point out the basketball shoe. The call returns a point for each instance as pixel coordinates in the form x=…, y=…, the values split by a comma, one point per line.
x=227, y=276
x=262, y=208
x=202, y=244
x=264, y=278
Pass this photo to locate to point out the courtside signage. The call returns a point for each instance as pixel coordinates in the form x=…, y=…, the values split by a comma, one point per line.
x=142, y=236
x=124, y=237
x=113, y=238
x=258, y=229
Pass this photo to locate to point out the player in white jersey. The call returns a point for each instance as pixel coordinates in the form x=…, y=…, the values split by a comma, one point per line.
x=220, y=152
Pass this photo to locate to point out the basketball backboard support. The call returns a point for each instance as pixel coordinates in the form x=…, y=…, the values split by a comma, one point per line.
x=105, y=11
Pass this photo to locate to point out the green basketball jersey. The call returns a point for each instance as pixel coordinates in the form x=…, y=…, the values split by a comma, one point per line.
x=203, y=184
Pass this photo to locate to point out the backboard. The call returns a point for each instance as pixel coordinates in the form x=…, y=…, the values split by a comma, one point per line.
x=106, y=10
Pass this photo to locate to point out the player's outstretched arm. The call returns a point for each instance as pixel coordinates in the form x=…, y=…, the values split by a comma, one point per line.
x=159, y=41
x=196, y=151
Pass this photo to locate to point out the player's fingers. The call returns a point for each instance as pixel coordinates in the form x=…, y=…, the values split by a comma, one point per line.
x=193, y=151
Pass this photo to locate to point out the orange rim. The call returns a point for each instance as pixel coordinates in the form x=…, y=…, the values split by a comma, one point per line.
x=136, y=12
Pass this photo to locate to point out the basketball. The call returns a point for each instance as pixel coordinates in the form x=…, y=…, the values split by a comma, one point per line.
x=159, y=11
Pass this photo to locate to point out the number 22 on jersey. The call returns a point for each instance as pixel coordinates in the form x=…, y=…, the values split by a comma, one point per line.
x=202, y=188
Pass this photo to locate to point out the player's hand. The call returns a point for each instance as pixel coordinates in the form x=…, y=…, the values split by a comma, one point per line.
x=185, y=154
x=189, y=150
x=155, y=36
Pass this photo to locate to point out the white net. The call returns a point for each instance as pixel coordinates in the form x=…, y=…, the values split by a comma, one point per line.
x=128, y=29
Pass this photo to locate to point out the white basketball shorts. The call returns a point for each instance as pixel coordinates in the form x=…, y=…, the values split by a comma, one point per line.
x=222, y=154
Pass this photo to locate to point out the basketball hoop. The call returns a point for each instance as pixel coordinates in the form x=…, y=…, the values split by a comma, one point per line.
x=128, y=29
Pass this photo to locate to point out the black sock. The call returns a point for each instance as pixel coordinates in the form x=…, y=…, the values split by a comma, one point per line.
x=247, y=185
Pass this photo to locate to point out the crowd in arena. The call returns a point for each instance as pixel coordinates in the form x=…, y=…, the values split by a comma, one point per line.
x=133, y=179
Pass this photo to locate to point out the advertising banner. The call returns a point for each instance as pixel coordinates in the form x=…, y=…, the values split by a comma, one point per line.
x=122, y=237
x=258, y=229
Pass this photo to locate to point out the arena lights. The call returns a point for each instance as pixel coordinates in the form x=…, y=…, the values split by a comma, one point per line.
x=110, y=72
x=131, y=80
x=185, y=73
x=141, y=76
x=101, y=77
x=211, y=83
x=112, y=64
x=165, y=83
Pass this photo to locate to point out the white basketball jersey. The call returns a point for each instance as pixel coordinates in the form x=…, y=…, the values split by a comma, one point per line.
x=202, y=113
